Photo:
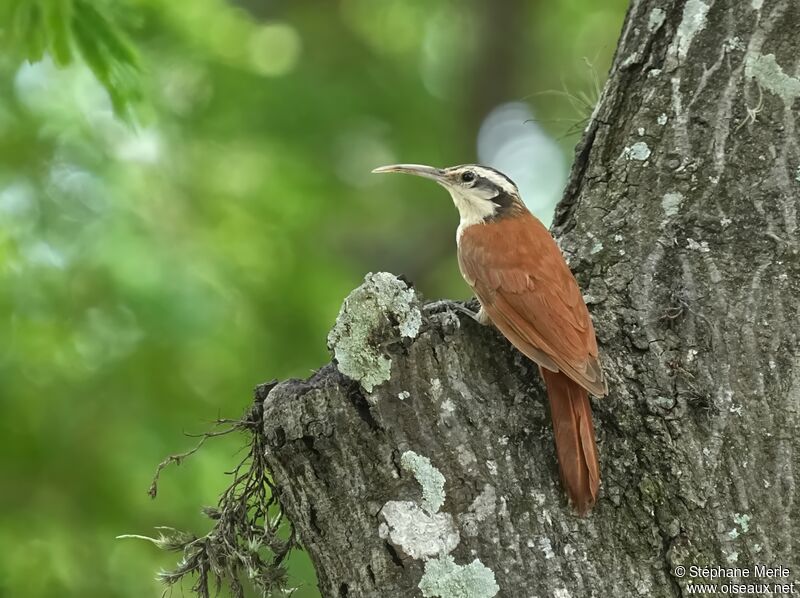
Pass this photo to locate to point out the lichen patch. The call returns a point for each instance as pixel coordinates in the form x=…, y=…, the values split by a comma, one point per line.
x=416, y=533
x=381, y=302
x=546, y=547
x=638, y=151
x=430, y=479
x=448, y=407
x=702, y=246
x=671, y=202
x=743, y=521
x=655, y=19
x=444, y=579
x=769, y=75
x=481, y=508
x=422, y=532
x=692, y=23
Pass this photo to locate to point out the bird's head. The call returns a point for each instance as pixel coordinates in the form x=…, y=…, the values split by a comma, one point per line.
x=480, y=193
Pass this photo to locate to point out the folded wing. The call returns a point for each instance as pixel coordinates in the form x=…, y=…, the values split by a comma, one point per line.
x=525, y=286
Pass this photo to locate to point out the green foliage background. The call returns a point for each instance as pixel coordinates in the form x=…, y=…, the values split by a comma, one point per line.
x=185, y=200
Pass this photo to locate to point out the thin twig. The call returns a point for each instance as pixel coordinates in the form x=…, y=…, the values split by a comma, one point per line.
x=177, y=459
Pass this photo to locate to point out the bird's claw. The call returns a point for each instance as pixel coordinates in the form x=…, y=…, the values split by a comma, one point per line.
x=447, y=306
x=438, y=307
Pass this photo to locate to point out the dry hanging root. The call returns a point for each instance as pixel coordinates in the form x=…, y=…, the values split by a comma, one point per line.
x=250, y=537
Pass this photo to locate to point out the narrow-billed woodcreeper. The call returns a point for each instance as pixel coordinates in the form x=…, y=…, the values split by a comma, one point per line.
x=526, y=289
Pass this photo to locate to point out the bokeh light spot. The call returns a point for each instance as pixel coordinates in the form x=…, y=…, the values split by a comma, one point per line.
x=512, y=142
x=361, y=149
x=274, y=49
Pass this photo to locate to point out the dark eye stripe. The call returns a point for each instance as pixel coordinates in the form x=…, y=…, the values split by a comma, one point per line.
x=501, y=175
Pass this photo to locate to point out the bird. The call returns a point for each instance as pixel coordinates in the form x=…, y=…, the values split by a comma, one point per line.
x=527, y=291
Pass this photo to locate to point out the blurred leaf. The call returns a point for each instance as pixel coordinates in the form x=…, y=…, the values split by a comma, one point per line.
x=116, y=47
x=108, y=54
x=59, y=18
x=29, y=28
x=54, y=26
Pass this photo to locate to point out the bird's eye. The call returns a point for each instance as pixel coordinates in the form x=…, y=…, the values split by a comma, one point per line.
x=468, y=176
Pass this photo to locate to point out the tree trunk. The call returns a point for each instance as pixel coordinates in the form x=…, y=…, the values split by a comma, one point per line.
x=422, y=464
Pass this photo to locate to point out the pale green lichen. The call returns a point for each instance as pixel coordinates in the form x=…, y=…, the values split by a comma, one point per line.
x=692, y=23
x=481, y=508
x=423, y=533
x=770, y=76
x=444, y=579
x=656, y=19
x=418, y=534
x=638, y=151
x=702, y=246
x=430, y=479
x=734, y=43
x=448, y=407
x=671, y=202
x=546, y=547
x=742, y=521
x=662, y=119
x=356, y=337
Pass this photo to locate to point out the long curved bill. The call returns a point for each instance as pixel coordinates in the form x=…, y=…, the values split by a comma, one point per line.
x=428, y=172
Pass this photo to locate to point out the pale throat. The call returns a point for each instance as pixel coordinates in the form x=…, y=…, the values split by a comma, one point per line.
x=472, y=209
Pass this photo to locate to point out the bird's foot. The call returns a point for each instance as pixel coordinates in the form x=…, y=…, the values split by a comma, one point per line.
x=438, y=307
x=447, y=306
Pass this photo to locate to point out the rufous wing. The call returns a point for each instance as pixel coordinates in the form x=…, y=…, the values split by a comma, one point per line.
x=526, y=288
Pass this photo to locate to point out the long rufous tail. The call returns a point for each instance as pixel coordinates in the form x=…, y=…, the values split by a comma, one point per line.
x=575, y=443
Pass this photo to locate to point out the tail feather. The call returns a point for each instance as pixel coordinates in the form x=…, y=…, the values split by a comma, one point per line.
x=575, y=442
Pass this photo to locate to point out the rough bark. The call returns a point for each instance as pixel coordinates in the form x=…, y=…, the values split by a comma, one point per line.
x=680, y=222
